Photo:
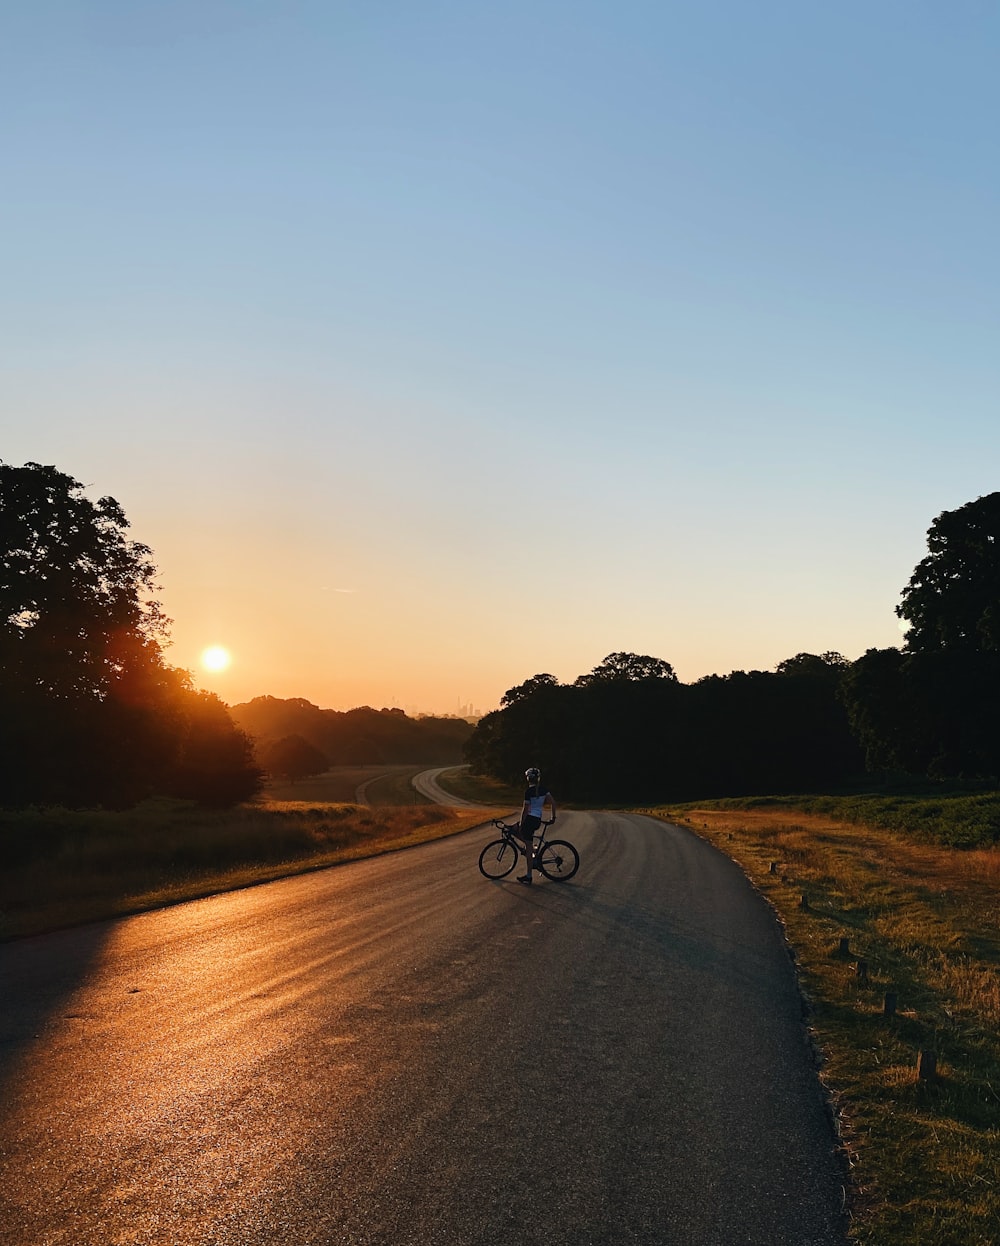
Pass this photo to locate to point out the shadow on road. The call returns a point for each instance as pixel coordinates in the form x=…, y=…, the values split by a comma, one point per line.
x=645, y=933
x=39, y=976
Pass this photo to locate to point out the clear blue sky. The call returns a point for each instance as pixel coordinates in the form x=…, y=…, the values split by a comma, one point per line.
x=431, y=346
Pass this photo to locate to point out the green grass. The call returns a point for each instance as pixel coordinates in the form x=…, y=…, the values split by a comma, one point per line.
x=486, y=791
x=924, y=915
x=383, y=785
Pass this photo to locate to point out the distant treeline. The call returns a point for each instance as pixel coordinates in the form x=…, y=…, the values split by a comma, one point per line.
x=630, y=731
x=356, y=737
x=92, y=715
x=818, y=723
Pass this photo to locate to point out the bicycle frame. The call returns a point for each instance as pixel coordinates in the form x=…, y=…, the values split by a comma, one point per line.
x=555, y=858
x=509, y=833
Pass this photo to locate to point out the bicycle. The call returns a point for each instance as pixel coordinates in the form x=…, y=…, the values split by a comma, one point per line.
x=556, y=858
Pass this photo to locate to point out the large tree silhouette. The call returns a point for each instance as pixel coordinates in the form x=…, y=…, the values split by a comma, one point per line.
x=931, y=709
x=952, y=600
x=77, y=605
x=89, y=712
x=627, y=666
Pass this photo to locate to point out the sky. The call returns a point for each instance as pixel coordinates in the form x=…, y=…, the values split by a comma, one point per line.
x=434, y=346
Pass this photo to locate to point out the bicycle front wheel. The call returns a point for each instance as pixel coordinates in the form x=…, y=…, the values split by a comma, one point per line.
x=498, y=859
x=558, y=860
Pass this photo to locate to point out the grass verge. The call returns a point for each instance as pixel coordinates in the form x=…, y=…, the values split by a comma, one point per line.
x=64, y=867
x=379, y=785
x=479, y=788
x=876, y=918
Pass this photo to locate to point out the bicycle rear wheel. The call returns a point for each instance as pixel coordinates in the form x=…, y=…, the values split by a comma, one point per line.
x=498, y=859
x=558, y=860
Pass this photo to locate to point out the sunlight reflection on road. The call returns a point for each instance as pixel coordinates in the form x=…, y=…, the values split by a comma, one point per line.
x=331, y=1057
x=160, y=1058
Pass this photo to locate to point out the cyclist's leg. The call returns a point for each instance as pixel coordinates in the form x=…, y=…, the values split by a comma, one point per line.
x=529, y=825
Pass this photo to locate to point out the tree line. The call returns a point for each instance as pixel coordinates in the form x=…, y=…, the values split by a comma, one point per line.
x=629, y=730
x=296, y=738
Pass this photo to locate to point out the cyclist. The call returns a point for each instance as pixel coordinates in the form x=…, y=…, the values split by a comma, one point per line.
x=536, y=797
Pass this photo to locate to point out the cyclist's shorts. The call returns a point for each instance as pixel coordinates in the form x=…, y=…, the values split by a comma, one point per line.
x=529, y=824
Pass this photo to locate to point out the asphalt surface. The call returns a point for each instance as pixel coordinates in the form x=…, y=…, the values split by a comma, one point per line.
x=426, y=783
x=398, y=1051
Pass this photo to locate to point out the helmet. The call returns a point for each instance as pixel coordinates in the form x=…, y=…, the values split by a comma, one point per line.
x=532, y=774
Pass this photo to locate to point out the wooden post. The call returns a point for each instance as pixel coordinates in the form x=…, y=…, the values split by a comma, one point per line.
x=773, y=868
x=927, y=1066
x=889, y=1004
x=804, y=902
x=861, y=969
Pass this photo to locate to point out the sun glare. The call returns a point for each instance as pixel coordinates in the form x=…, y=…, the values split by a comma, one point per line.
x=215, y=658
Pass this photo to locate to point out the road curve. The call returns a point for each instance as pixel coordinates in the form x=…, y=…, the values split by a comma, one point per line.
x=426, y=783
x=398, y=1052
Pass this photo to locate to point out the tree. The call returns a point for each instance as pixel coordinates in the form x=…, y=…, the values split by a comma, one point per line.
x=931, y=713
x=628, y=666
x=755, y=732
x=931, y=709
x=294, y=758
x=89, y=712
x=537, y=683
x=952, y=600
x=610, y=735
x=76, y=595
x=829, y=665
x=214, y=761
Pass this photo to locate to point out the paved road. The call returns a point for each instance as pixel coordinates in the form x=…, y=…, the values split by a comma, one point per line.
x=399, y=1052
x=426, y=783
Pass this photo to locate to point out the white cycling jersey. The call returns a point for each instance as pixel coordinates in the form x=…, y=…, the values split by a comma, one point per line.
x=535, y=799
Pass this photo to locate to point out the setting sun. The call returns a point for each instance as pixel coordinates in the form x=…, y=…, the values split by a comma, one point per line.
x=215, y=658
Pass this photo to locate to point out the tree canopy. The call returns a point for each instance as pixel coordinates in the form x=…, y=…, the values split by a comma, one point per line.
x=77, y=609
x=90, y=714
x=530, y=686
x=628, y=666
x=930, y=709
x=630, y=731
x=952, y=600
x=291, y=757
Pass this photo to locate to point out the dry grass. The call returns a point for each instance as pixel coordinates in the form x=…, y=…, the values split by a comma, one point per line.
x=924, y=1156
x=63, y=868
